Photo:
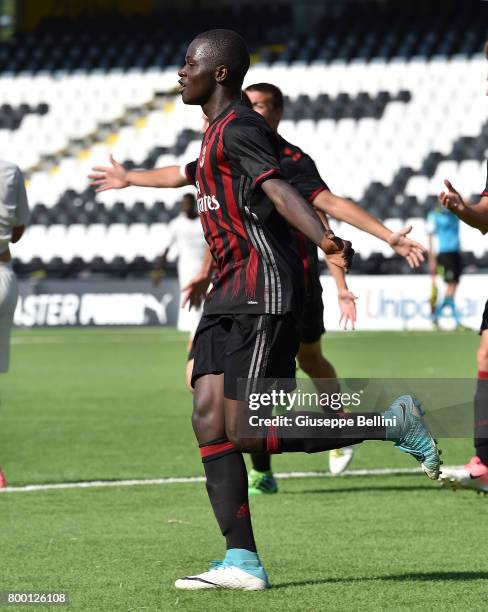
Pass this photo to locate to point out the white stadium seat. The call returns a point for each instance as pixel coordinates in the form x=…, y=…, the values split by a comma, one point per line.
x=446, y=105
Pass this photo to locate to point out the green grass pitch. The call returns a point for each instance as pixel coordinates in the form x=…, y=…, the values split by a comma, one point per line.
x=83, y=405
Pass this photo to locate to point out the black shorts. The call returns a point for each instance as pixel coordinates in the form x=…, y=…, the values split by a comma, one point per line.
x=311, y=321
x=484, y=321
x=245, y=347
x=450, y=266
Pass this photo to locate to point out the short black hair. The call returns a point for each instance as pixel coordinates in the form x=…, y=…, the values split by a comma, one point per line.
x=275, y=93
x=188, y=196
x=227, y=47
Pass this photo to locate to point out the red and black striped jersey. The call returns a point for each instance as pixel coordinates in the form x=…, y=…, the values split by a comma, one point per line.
x=259, y=270
x=485, y=192
x=299, y=170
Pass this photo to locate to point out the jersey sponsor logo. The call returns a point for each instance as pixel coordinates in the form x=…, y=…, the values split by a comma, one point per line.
x=206, y=203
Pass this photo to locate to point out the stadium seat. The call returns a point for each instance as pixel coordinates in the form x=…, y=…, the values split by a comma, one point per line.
x=386, y=106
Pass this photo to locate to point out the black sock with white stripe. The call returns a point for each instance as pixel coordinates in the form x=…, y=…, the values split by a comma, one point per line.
x=227, y=489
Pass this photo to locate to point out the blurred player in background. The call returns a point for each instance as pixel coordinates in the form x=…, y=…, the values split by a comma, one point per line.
x=185, y=236
x=444, y=259
x=474, y=475
x=299, y=170
x=14, y=215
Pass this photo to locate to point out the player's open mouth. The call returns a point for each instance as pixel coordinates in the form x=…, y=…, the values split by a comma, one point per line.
x=182, y=86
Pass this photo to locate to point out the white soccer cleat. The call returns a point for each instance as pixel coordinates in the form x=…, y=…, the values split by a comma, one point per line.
x=473, y=475
x=339, y=459
x=222, y=576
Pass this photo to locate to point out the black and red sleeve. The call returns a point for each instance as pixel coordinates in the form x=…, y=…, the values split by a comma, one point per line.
x=253, y=148
x=191, y=171
x=304, y=176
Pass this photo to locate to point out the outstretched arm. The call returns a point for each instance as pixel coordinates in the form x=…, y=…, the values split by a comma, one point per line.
x=346, y=299
x=349, y=212
x=475, y=215
x=296, y=210
x=194, y=293
x=118, y=177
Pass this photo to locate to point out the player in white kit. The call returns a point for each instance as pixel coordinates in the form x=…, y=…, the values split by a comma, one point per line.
x=14, y=214
x=186, y=238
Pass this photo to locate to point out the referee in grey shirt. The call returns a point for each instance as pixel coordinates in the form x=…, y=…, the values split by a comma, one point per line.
x=14, y=214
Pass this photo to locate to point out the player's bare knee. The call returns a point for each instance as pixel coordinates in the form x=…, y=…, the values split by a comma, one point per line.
x=204, y=418
x=196, y=421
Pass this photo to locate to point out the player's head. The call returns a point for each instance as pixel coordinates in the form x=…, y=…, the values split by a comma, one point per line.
x=214, y=59
x=267, y=100
x=189, y=206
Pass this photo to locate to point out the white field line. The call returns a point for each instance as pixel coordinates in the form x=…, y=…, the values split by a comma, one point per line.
x=190, y=479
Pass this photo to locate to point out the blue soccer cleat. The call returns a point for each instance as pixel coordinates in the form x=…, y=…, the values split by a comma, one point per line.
x=412, y=436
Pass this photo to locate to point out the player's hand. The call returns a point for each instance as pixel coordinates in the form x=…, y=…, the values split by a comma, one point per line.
x=347, y=306
x=194, y=293
x=452, y=200
x=109, y=177
x=339, y=252
x=412, y=251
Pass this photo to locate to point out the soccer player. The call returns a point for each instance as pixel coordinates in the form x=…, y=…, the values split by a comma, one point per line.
x=474, y=475
x=185, y=233
x=445, y=257
x=14, y=215
x=300, y=171
x=248, y=327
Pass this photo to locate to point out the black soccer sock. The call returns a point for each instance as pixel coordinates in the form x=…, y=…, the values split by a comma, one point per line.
x=261, y=462
x=481, y=417
x=227, y=489
x=312, y=438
